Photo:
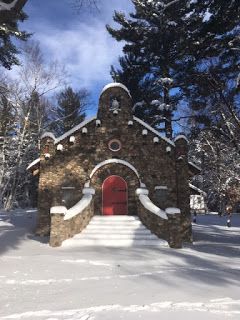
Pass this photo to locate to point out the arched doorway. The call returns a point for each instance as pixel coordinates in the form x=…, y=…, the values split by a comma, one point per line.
x=114, y=196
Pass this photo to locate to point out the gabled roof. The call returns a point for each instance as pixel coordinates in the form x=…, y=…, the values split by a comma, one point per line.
x=195, y=168
x=71, y=131
x=147, y=126
x=197, y=189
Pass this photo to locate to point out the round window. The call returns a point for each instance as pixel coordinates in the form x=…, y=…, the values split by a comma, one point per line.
x=114, y=145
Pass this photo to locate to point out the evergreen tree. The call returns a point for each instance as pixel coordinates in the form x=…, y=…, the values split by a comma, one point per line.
x=70, y=110
x=155, y=34
x=143, y=89
x=176, y=40
x=9, y=19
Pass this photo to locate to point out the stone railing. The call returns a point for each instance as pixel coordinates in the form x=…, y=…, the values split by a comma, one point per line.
x=166, y=224
x=66, y=223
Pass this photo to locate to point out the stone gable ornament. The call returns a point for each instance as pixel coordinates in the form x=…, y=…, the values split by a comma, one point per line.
x=114, y=104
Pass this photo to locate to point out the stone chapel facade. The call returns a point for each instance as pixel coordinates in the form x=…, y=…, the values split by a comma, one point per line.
x=113, y=164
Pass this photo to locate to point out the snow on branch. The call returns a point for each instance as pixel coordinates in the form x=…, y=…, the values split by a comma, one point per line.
x=7, y=6
x=171, y=3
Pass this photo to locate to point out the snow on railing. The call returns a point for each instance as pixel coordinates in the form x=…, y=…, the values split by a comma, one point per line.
x=142, y=194
x=148, y=204
x=78, y=207
x=32, y=164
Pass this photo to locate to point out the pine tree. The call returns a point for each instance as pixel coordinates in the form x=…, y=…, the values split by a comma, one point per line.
x=155, y=34
x=70, y=110
x=143, y=88
x=176, y=40
x=8, y=30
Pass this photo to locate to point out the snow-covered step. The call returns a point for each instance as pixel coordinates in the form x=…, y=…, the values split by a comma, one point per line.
x=119, y=243
x=116, y=236
x=117, y=226
x=116, y=223
x=115, y=218
x=115, y=231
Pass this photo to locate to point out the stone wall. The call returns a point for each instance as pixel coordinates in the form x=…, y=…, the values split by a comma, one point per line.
x=63, y=229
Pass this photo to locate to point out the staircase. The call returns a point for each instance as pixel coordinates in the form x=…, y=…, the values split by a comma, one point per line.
x=115, y=231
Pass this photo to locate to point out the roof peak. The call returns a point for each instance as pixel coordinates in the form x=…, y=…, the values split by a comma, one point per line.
x=114, y=85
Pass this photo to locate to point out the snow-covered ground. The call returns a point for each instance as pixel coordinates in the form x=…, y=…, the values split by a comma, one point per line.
x=39, y=282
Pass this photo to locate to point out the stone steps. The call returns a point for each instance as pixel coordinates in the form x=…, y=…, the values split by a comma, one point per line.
x=116, y=231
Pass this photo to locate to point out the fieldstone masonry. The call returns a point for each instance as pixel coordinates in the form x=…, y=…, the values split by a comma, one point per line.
x=65, y=169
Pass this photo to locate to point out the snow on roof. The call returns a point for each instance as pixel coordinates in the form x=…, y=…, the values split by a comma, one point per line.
x=48, y=135
x=77, y=127
x=153, y=130
x=33, y=163
x=197, y=189
x=194, y=165
x=114, y=85
x=181, y=136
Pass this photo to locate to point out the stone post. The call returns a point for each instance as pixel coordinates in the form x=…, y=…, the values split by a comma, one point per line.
x=174, y=228
x=47, y=151
x=183, y=190
x=59, y=230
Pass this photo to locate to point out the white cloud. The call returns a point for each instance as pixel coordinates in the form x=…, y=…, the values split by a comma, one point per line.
x=87, y=51
x=78, y=41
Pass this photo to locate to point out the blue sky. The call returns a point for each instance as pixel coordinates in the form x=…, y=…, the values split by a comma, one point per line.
x=77, y=40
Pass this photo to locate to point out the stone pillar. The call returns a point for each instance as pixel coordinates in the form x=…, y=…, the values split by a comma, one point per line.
x=45, y=191
x=174, y=228
x=59, y=227
x=183, y=190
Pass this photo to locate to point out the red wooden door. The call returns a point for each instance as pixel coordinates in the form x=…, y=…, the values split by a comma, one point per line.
x=114, y=196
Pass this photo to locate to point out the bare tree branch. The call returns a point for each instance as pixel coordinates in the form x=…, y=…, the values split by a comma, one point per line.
x=78, y=5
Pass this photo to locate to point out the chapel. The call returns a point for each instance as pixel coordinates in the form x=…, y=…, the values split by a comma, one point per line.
x=114, y=164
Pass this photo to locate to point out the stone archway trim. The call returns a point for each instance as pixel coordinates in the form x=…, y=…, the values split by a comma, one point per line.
x=118, y=161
